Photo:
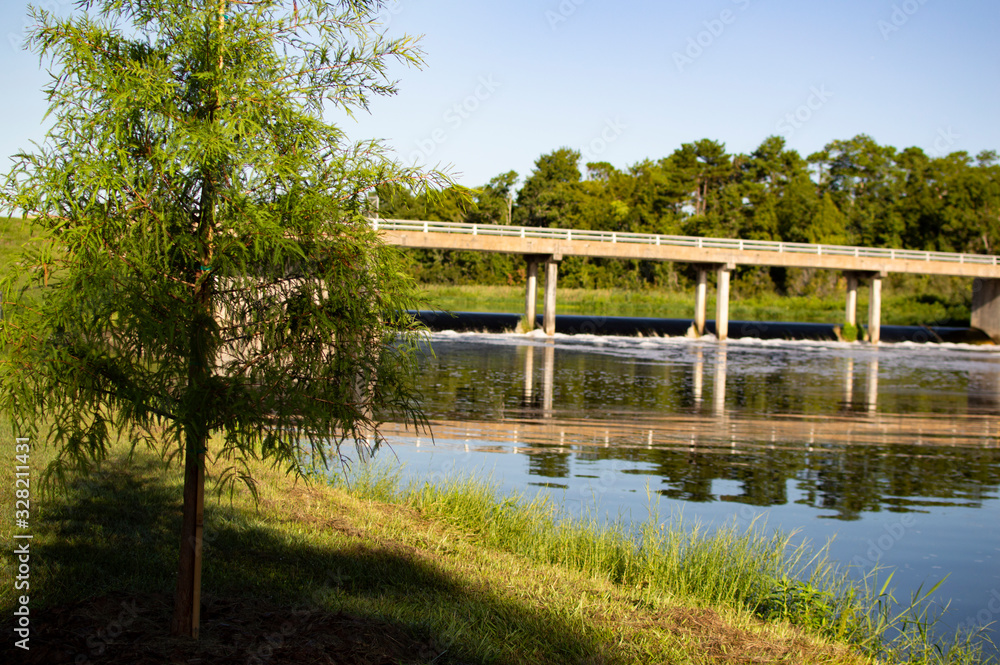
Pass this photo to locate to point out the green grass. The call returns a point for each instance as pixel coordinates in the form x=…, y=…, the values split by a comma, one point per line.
x=907, y=308
x=743, y=570
x=13, y=234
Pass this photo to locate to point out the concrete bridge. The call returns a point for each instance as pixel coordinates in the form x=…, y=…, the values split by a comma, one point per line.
x=860, y=264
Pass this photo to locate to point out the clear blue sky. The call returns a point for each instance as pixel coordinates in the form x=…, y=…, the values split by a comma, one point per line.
x=628, y=80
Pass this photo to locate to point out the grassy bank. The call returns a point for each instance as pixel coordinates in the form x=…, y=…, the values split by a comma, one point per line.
x=909, y=308
x=381, y=573
x=13, y=234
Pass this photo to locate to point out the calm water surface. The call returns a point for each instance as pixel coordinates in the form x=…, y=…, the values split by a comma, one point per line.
x=893, y=451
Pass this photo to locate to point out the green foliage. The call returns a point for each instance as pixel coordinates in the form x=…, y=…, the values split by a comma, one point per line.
x=852, y=192
x=849, y=332
x=203, y=264
x=800, y=603
x=550, y=190
x=201, y=254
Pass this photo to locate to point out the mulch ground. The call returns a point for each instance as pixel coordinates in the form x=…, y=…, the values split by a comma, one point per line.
x=134, y=629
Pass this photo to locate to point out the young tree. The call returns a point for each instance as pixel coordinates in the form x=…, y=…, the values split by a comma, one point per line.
x=205, y=268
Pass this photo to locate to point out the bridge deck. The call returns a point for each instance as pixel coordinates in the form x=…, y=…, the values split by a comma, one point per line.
x=685, y=249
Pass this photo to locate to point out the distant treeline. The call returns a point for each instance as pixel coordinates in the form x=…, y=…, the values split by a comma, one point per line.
x=853, y=192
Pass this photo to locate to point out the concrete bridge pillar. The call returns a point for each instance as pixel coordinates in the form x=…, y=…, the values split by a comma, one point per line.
x=851, y=310
x=986, y=306
x=722, y=302
x=874, y=301
x=700, y=299
x=875, y=309
x=531, y=295
x=549, y=311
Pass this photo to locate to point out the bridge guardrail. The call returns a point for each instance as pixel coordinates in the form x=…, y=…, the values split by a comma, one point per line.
x=680, y=241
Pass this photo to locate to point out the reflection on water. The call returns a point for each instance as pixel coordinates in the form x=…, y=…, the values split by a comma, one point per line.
x=529, y=396
x=825, y=437
x=871, y=396
x=699, y=375
x=719, y=384
x=775, y=415
x=848, y=382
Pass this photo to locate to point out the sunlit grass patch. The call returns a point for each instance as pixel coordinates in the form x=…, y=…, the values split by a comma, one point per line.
x=752, y=571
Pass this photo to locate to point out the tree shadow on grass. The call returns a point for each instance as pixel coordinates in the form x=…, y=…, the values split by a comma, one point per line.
x=104, y=561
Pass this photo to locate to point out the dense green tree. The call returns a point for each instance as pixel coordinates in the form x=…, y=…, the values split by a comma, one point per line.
x=970, y=205
x=494, y=201
x=548, y=193
x=705, y=167
x=864, y=181
x=204, y=267
x=826, y=226
x=852, y=192
x=656, y=198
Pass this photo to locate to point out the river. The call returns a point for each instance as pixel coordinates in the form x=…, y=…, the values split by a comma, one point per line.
x=891, y=451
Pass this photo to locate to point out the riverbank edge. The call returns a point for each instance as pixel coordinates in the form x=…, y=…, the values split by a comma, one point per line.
x=318, y=554
x=309, y=552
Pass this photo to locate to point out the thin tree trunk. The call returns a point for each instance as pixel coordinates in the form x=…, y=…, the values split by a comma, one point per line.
x=187, y=599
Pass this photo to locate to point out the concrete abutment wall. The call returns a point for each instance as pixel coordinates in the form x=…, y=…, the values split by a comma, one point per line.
x=986, y=307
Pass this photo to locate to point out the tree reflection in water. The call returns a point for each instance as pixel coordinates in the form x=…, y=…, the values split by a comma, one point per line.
x=780, y=416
